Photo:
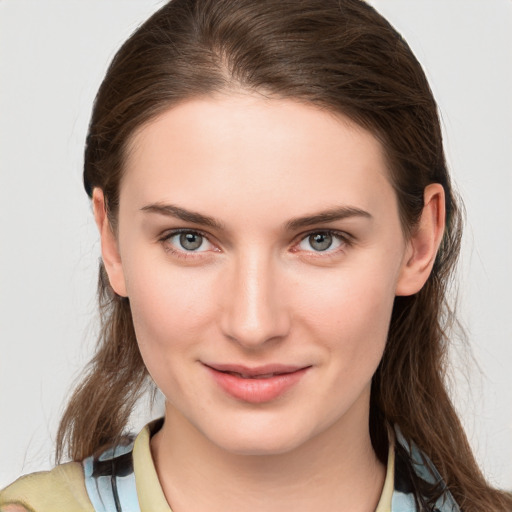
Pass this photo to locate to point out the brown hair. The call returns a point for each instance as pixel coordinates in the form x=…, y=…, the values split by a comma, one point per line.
x=340, y=55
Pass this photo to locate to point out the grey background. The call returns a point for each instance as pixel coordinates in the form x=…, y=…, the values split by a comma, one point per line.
x=53, y=55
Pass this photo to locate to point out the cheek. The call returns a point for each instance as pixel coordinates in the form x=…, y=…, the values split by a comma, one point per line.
x=349, y=312
x=170, y=307
x=171, y=311
x=351, y=296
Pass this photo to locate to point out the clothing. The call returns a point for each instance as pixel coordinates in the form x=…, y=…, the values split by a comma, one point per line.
x=124, y=479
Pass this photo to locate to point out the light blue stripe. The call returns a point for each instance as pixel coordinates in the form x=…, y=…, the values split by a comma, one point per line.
x=100, y=491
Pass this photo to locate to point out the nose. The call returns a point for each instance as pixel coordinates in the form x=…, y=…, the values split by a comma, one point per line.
x=255, y=308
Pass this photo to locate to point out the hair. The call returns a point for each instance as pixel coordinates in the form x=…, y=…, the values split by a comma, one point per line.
x=338, y=55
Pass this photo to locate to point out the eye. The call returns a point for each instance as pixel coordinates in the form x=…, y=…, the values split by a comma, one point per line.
x=322, y=241
x=188, y=241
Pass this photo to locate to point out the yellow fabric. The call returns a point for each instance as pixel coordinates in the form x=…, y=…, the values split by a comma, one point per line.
x=63, y=488
x=386, y=497
x=59, y=490
x=149, y=491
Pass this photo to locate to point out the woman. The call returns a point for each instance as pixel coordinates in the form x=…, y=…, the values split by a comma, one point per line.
x=269, y=184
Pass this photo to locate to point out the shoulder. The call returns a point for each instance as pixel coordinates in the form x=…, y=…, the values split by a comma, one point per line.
x=59, y=490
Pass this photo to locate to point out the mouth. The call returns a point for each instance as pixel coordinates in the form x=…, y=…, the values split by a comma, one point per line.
x=258, y=372
x=257, y=384
x=256, y=376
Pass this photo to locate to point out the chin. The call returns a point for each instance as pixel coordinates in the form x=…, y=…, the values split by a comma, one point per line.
x=261, y=447
x=274, y=438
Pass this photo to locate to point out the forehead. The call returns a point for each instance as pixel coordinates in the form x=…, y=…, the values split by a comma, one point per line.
x=247, y=150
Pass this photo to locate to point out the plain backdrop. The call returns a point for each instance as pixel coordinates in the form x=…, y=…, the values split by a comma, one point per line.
x=53, y=54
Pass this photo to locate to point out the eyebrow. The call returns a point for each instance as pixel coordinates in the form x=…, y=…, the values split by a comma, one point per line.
x=330, y=215
x=181, y=213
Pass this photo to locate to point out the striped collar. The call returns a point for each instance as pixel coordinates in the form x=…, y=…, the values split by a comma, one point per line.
x=124, y=479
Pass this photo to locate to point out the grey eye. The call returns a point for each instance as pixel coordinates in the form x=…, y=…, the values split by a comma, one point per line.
x=320, y=241
x=191, y=241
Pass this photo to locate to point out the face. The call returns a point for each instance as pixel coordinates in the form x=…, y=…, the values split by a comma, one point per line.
x=260, y=246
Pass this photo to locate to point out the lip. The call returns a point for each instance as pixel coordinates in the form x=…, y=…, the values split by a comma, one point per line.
x=256, y=384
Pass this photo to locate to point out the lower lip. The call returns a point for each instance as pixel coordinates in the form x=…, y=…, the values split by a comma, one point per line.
x=256, y=391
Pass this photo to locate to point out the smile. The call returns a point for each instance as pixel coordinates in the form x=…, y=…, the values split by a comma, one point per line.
x=256, y=385
x=245, y=376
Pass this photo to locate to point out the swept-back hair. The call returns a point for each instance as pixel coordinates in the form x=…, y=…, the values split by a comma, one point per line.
x=340, y=55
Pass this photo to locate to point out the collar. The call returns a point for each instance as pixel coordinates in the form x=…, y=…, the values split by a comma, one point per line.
x=124, y=478
x=416, y=479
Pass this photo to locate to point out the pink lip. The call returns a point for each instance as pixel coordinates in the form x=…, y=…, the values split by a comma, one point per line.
x=251, y=387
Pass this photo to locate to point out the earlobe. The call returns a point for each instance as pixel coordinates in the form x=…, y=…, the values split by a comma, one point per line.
x=424, y=242
x=109, y=246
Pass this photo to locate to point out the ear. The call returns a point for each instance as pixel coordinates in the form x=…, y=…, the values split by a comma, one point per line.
x=424, y=242
x=109, y=247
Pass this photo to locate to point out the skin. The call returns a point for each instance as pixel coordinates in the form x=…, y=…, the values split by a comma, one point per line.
x=257, y=291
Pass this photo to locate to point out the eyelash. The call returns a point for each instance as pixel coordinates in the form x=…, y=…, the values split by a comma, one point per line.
x=182, y=254
x=345, y=240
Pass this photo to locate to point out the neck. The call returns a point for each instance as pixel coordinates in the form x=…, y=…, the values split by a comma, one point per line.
x=336, y=470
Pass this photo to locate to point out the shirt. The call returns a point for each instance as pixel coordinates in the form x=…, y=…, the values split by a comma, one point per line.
x=124, y=479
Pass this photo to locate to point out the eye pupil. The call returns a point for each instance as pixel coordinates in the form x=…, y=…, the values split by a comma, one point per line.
x=320, y=241
x=190, y=241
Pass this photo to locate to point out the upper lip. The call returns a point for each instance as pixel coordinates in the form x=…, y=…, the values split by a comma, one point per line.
x=255, y=370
